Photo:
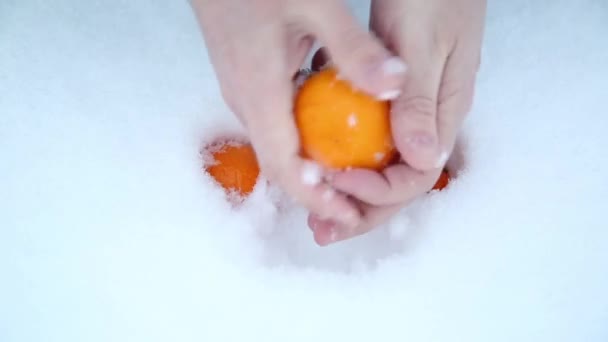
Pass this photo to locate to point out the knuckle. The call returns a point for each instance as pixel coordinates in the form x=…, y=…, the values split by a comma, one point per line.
x=420, y=106
x=454, y=89
x=352, y=37
x=396, y=177
x=375, y=198
x=358, y=48
x=455, y=98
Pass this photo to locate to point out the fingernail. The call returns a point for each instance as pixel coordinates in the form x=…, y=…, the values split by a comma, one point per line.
x=442, y=159
x=394, y=66
x=389, y=95
x=311, y=173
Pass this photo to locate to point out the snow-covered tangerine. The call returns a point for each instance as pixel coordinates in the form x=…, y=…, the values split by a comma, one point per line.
x=341, y=127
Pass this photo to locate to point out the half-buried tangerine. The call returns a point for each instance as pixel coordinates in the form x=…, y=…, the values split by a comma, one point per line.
x=233, y=165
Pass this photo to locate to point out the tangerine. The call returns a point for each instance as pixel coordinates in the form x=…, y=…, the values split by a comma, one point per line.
x=341, y=127
x=442, y=181
x=234, y=166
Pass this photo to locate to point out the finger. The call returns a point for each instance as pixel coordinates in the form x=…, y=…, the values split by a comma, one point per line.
x=302, y=179
x=396, y=184
x=327, y=232
x=275, y=139
x=322, y=200
x=456, y=95
x=380, y=197
x=319, y=60
x=414, y=113
x=298, y=49
x=324, y=230
x=358, y=55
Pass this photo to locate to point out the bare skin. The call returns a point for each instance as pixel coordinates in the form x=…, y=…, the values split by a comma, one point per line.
x=423, y=56
x=440, y=40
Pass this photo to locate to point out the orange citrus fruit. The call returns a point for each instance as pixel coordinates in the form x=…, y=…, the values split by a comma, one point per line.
x=341, y=127
x=234, y=166
x=442, y=181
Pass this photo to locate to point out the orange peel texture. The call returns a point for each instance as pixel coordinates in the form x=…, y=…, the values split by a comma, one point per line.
x=341, y=127
x=442, y=181
x=234, y=166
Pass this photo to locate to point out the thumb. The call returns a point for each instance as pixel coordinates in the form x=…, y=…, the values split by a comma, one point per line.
x=358, y=55
x=414, y=113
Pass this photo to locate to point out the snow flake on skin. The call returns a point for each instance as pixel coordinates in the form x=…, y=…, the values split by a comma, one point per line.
x=352, y=120
x=389, y=95
x=311, y=173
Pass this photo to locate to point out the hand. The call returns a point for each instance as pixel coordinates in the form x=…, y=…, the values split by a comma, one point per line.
x=440, y=40
x=256, y=47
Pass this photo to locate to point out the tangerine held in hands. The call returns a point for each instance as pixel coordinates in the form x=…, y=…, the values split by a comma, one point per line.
x=341, y=127
x=234, y=166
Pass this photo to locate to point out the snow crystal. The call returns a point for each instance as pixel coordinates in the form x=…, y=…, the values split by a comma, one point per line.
x=352, y=120
x=311, y=173
x=394, y=66
x=389, y=95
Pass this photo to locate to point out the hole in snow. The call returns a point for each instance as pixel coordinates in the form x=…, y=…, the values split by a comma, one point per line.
x=281, y=230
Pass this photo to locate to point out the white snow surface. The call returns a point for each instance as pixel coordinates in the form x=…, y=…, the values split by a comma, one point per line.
x=109, y=231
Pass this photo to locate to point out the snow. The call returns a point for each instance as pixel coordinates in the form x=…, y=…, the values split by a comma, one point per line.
x=110, y=232
x=311, y=173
